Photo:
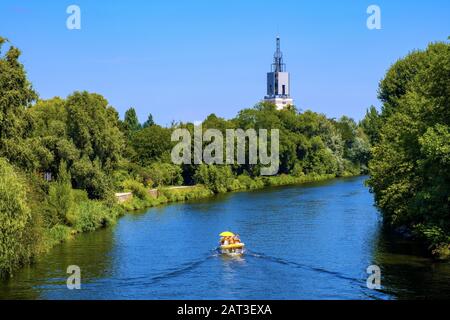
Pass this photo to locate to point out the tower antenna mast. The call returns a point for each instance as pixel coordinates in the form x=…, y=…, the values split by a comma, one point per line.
x=278, y=65
x=278, y=81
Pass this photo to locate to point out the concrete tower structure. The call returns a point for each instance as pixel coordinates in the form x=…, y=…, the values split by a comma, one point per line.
x=278, y=82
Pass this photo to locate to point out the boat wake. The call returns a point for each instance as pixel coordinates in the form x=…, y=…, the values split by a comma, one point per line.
x=301, y=266
x=214, y=253
x=357, y=282
x=183, y=268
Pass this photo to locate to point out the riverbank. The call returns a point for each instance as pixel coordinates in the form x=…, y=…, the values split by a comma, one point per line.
x=141, y=201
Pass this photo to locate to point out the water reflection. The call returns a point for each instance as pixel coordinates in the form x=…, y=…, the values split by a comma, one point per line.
x=91, y=252
x=408, y=272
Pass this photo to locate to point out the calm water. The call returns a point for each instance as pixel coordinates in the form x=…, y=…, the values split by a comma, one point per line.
x=304, y=242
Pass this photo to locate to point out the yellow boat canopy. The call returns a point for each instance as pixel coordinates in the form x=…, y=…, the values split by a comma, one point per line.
x=227, y=234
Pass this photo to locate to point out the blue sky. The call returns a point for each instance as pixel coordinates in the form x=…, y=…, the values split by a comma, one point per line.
x=182, y=60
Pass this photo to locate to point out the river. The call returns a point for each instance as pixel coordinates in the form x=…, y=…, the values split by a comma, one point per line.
x=313, y=241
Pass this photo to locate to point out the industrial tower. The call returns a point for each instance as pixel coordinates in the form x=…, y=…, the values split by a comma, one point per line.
x=278, y=88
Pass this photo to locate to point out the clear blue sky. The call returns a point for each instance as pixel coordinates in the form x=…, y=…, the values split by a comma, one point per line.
x=182, y=60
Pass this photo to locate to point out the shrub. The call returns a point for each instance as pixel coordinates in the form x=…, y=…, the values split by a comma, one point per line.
x=88, y=175
x=247, y=182
x=55, y=235
x=60, y=201
x=91, y=215
x=189, y=193
x=80, y=195
x=119, y=176
x=164, y=174
x=217, y=178
x=137, y=188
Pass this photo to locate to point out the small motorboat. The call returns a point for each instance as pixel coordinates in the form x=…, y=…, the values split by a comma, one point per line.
x=230, y=244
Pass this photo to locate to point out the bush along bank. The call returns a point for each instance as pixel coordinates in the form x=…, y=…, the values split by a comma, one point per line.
x=142, y=200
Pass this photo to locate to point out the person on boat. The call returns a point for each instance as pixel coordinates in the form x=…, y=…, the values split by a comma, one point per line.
x=236, y=239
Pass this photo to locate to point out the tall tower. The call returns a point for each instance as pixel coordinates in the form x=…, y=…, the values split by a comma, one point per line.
x=278, y=88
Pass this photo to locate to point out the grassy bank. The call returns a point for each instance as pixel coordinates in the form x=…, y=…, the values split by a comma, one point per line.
x=166, y=195
x=141, y=200
x=89, y=216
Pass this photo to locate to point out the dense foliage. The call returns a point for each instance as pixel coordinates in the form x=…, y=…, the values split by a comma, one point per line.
x=16, y=230
x=410, y=169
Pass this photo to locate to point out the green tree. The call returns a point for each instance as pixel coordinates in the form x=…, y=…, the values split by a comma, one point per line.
x=89, y=175
x=82, y=131
x=217, y=178
x=131, y=121
x=16, y=230
x=398, y=80
x=151, y=144
x=371, y=124
x=409, y=169
x=149, y=121
x=50, y=132
x=93, y=126
x=165, y=174
x=16, y=95
x=60, y=202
